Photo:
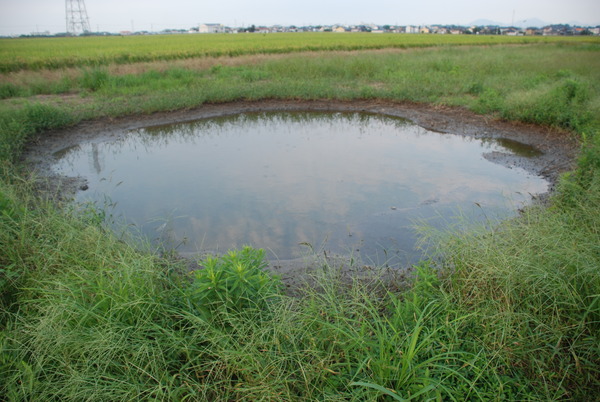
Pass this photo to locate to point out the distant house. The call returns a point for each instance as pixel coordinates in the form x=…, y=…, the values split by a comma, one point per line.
x=546, y=31
x=339, y=29
x=211, y=28
x=510, y=32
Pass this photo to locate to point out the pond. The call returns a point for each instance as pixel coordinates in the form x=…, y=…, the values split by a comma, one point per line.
x=289, y=182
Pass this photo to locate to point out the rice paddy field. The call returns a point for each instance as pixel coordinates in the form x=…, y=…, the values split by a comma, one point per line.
x=53, y=53
x=507, y=313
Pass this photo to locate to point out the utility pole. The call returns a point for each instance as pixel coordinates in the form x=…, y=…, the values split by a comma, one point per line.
x=77, y=18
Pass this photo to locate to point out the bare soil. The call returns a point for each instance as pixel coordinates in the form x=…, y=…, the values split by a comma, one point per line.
x=557, y=148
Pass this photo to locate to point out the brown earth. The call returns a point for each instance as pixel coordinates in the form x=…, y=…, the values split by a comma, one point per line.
x=557, y=148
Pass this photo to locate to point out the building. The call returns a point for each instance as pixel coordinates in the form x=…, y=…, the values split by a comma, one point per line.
x=211, y=28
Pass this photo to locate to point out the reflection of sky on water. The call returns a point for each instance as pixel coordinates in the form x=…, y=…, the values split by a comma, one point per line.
x=277, y=179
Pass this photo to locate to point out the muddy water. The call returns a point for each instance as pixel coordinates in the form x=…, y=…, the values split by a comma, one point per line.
x=347, y=183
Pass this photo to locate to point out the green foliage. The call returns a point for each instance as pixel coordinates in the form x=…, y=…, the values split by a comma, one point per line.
x=37, y=86
x=587, y=176
x=40, y=117
x=12, y=137
x=17, y=126
x=589, y=160
x=534, y=288
x=94, y=79
x=92, y=308
x=561, y=104
x=416, y=344
x=543, y=84
x=11, y=214
x=233, y=283
x=8, y=91
x=489, y=101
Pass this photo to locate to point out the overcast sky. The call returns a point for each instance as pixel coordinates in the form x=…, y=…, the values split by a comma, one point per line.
x=26, y=16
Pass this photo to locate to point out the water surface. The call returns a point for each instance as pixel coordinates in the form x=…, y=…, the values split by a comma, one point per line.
x=341, y=182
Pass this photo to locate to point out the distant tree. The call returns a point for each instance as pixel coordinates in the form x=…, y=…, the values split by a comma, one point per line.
x=252, y=28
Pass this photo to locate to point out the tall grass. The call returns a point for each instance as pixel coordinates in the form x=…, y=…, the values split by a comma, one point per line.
x=17, y=126
x=510, y=313
x=542, y=84
x=533, y=286
x=98, y=320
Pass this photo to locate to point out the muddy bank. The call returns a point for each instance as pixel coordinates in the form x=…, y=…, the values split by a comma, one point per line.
x=538, y=150
x=557, y=148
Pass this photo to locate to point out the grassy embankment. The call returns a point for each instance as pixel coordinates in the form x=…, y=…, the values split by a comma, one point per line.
x=516, y=313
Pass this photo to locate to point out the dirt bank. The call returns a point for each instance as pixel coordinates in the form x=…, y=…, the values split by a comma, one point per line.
x=558, y=148
x=554, y=150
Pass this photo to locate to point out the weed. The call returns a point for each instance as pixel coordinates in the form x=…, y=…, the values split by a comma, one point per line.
x=234, y=282
x=9, y=91
x=12, y=137
x=40, y=117
x=490, y=101
x=534, y=286
x=562, y=105
x=16, y=127
x=94, y=79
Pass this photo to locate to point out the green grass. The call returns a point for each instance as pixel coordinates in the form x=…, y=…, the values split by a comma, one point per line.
x=17, y=126
x=553, y=85
x=532, y=285
x=98, y=320
x=509, y=313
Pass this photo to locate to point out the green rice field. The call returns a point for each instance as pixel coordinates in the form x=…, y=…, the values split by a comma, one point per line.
x=53, y=53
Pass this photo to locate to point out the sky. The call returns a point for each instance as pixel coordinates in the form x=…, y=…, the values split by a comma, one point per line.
x=27, y=16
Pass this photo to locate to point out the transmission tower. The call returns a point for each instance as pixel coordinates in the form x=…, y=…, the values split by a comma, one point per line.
x=77, y=18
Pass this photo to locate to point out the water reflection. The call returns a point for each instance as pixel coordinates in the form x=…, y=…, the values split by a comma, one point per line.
x=274, y=180
x=515, y=147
